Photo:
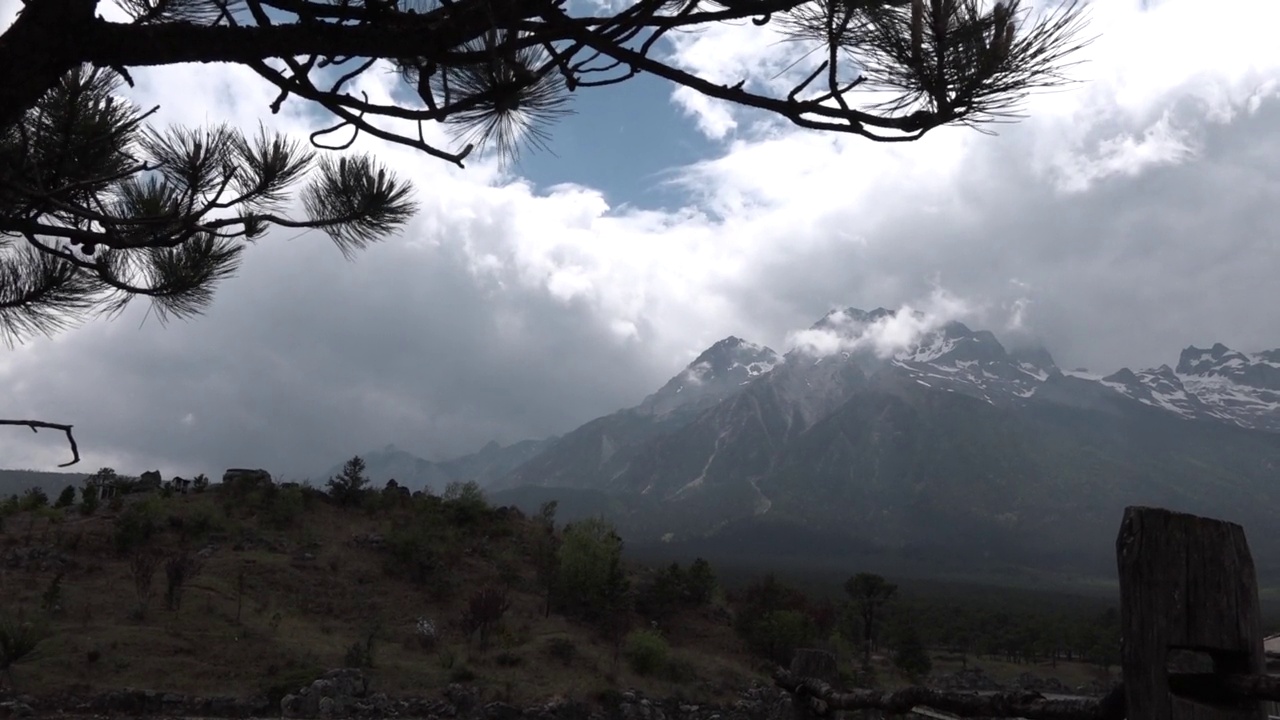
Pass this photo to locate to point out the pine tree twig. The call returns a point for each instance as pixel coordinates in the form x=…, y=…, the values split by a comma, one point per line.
x=36, y=425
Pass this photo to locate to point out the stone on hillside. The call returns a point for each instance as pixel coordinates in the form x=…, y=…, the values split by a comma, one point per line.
x=246, y=479
x=1052, y=686
x=15, y=709
x=971, y=678
x=334, y=694
x=501, y=711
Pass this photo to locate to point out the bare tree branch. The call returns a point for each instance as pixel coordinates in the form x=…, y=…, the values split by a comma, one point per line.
x=36, y=425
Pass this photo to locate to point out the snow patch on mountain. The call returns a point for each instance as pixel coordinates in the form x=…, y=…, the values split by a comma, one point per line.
x=1215, y=383
x=718, y=372
x=958, y=359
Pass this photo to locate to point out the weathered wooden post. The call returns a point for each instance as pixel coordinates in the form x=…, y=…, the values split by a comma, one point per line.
x=814, y=663
x=1186, y=583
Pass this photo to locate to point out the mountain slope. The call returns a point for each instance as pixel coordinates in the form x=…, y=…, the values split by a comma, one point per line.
x=948, y=444
x=491, y=462
x=605, y=446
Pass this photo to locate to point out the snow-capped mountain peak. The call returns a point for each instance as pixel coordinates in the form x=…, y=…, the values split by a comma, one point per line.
x=1215, y=383
x=1258, y=370
x=955, y=358
x=731, y=356
x=717, y=372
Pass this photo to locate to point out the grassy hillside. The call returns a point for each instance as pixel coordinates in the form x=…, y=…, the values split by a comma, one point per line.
x=285, y=591
x=289, y=582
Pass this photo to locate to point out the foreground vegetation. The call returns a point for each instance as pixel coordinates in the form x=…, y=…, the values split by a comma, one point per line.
x=255, y=587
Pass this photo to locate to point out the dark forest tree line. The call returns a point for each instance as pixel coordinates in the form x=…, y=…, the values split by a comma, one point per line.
x=774, y=618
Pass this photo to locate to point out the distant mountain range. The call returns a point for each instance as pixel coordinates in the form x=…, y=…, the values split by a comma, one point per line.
x=950, y=446
x=484, y=466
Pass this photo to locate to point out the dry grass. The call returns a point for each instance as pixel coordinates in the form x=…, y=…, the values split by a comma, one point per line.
x=273, y=608
x=308, y=595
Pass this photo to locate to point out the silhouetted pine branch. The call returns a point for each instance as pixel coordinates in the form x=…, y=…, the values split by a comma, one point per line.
x=96, y=210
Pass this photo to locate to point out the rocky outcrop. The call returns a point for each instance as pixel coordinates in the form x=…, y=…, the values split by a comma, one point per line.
x=37, y=558
x=1096, y=688
x=1044, y=686
x=969, y=679
x=133, y=702
x=338, y=693
x=16, y=709
x=246, y=479
x=344, y=693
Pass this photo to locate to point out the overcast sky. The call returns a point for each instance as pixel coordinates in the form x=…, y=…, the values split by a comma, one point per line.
x=1128, y=217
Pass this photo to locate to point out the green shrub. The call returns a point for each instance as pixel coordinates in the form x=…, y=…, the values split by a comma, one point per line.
x=663, y=594
x=19, y=642
x=700, y=583
x=200, y=521
x=281, y=508
x=51, y=598
x=646, y=652
x=779, y=633
x=179, y=569
x=484, y=610
x=359, y=655
x=462, y=674
x=34, y=498
x=910, y=655
x=411, y=553
x=465, y=502
x=89, y=501
x=137, y=525
x=66, y=498
x=589, y=574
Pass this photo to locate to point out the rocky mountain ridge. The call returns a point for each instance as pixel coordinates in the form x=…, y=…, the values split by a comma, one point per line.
x=901, y=433
x=1215, y=383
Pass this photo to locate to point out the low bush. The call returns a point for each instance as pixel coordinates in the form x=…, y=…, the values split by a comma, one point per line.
x=646, y=652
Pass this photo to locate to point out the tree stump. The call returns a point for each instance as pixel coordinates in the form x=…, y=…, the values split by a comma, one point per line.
x=816, y=664
x=813, y=663
x=1187, y=590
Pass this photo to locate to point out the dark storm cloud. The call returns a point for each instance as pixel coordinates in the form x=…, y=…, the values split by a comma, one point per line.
x=305, y=359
